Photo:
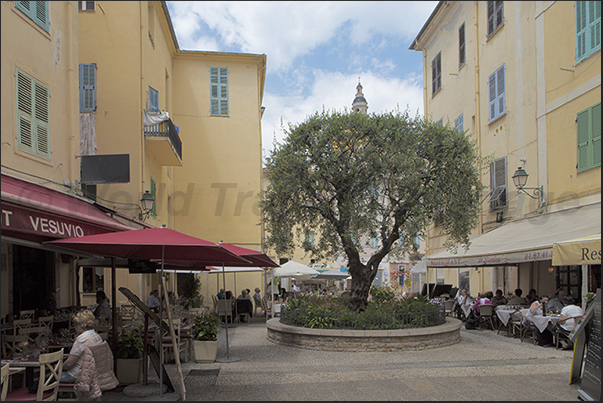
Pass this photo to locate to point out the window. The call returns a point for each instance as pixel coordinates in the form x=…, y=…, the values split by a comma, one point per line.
x=87, y=87
x=153, y=191
x=37, y=11
x=588, y=124
x=417, y=242
x=440, y=276
x=153, y=99
x=33, y=131
x=374, y=243
x=588, y=28
x=462, y=46
x=219, y=91
x=496, y=94
x=310, y=239
x=464, y=276
x=436, y=73
x=92, y=279
x=498, y=183
x=86, y=5
x=458, y=123
x=495, y=16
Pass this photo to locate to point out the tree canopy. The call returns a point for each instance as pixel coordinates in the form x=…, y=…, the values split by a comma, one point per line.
x=349, y=177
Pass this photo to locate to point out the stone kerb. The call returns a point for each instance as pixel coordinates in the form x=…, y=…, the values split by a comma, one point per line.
x=365, y=340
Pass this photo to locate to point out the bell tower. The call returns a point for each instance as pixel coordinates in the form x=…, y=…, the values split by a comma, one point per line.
x=359, y=105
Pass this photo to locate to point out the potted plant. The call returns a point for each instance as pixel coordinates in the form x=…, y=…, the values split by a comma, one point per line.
x=128, y=356
x=205, y=337
x=190, y=293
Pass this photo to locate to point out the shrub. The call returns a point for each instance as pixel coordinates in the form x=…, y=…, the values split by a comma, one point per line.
x=206, y=327
x=130, y=343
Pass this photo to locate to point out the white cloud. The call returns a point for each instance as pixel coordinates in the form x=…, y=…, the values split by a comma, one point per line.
x=334, y=90
x=287, y=30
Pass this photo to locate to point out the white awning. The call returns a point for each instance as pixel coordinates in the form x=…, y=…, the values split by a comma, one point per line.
x=419, y=267
x=525, y=240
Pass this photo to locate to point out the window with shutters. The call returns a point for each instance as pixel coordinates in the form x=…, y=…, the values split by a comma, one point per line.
x=86, y=5
x=458, y=123
x=588, y=124
x=498, y=183
x=497, y=100
x=218, y=91
x=153, y=99
x=436, y=73
x=37, y=11
x=374, y=242
x=33, y=131
x=310, y=238
x=495, y=16
x=153, y=191
x=462, y=46
x=87, y=87
x=588, y=29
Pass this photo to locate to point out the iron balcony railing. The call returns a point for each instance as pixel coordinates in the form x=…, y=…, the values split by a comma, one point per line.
x=365, y=321
x=168, y=130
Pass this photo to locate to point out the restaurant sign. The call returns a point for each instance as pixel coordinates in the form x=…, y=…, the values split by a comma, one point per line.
x=31, y=221
x=501, y=259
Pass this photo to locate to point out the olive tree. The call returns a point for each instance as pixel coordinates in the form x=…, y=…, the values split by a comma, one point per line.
x=348, y=177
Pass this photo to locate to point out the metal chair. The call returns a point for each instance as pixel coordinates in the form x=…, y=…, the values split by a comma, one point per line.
x=27, y=314
x=50, y=364
x=182, y=343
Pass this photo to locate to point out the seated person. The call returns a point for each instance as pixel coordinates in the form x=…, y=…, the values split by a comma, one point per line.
x=499, y=298
x=518, y=299
x=102, y=309
x=487, y=299
x=531, y=297
x=244, y=295
x=86, y=336
x=220, y=294
x=153, y=301
x=542, y=338
x=555, y=305
x=568, y=318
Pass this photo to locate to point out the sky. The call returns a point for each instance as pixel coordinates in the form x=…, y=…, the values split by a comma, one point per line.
x=317, y=52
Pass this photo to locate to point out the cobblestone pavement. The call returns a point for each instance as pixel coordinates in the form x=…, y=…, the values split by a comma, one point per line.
x=484, y=366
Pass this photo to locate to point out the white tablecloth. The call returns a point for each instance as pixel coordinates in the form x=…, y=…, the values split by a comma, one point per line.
x=505, y=314
x=541, y=322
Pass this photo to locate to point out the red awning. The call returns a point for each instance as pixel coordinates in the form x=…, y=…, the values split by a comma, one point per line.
x=35, y=212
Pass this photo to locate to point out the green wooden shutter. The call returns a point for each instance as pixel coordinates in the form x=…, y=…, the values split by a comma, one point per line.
x=154, y=193
x=583, y=137
x=594, y=26
x=33, y=131
x=87, y=87
x=596, y=134
x=588, y=28
x=218, y=91
x=223, y=91
x=37, y=11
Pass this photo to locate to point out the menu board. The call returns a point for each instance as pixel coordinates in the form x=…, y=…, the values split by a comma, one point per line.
x=590, y=387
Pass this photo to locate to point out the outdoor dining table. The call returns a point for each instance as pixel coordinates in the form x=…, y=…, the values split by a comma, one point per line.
x=542, y=322
x=28, y=363
x=505, y=314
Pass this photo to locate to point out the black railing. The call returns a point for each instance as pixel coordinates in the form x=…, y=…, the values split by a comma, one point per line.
x=365, y=321
x=166, y=129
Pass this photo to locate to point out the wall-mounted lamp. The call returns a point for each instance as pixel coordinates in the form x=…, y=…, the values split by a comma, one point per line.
x=146, y=203
x=520, y=179
x=551, y=269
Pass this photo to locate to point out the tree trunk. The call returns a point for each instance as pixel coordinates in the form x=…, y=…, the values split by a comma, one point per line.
x=362, y=278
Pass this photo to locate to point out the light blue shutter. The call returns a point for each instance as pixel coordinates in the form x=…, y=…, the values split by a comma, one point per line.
x=154, y=193
x=153, y=99
x=497, y=102
x=87, y=87
x=458, y=123
x=594, y=26
x=219, y=91
x=36, y=10
x=490, y=17
x=374, y=243
x=580, y=30
x=33, y=132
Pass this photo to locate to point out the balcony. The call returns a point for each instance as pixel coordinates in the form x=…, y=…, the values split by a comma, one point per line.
x=163, y=141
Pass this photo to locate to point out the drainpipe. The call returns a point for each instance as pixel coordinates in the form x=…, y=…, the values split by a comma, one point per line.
x=141, y=105
x=69, y=101
x=478, y=128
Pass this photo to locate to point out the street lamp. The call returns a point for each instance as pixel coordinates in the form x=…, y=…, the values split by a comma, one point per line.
x=146, y=202
x=520, y=179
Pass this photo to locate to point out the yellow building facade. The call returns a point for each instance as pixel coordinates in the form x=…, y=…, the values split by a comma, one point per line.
x=509, y=74
x=115, y=84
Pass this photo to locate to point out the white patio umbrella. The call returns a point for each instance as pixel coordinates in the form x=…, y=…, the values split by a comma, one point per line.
x=295, y=270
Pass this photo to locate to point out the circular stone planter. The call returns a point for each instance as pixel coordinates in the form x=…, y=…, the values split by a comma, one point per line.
x=365, y=340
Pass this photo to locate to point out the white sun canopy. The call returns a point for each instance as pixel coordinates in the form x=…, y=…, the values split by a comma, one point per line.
x=525, y=240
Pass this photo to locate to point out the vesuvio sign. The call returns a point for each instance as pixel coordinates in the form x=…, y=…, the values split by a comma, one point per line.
x=36, y=222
